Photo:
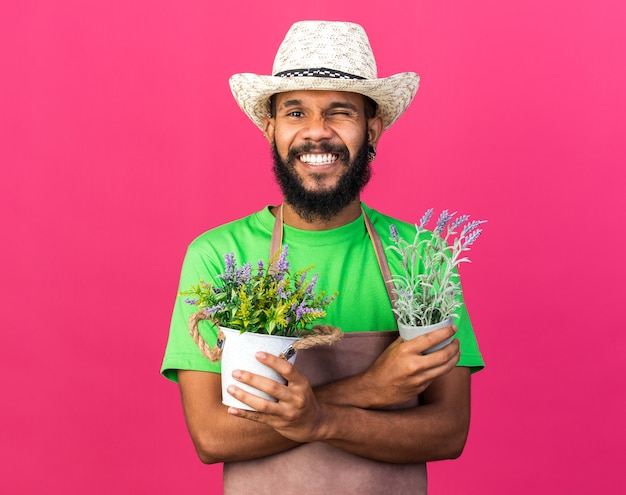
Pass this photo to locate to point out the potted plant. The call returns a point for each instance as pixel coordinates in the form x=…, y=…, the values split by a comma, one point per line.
x=268, y=308
x=428, y=288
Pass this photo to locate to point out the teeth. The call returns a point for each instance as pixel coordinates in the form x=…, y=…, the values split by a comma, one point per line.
x=318, y=159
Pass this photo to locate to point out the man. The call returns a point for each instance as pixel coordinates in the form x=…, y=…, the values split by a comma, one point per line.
x=323, y=112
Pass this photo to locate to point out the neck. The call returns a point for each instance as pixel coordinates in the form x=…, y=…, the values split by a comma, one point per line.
x=344, y=217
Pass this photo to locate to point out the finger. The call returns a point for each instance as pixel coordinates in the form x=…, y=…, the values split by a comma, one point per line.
x=282, y=367
x=428, y=340
x=451, y=352
x=263, y=407
x=443, y=360
x=277, y=364
x=421, y=364
x=264, y=384
x=436, y=370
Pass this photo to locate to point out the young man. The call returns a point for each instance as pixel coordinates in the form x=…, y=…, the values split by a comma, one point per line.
x=323, y=112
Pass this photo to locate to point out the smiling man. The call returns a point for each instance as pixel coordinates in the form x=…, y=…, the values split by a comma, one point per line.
x=323, y=112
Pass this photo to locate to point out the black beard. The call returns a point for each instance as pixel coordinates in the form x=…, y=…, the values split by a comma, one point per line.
x=322, y=205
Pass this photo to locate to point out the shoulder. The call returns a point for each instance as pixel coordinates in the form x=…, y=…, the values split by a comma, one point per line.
x=382, y=223
x=247, y=238
x=243, y=230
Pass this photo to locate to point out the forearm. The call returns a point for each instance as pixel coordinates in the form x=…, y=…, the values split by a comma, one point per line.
x=217, y=435
x=420, y=434
x=436, y=429
x=232, y=439
x=353, y=391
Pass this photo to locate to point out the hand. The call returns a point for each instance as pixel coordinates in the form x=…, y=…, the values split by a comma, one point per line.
x=297, y=415
x=401, y=372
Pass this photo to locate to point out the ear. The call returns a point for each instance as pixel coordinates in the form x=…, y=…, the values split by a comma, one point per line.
x=268, y=129
x=375, y=129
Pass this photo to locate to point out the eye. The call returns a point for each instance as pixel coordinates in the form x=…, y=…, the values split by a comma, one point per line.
x=340, y=113
x=295, y=113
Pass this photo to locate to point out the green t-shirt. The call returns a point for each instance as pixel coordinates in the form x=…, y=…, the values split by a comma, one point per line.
x=343, y=257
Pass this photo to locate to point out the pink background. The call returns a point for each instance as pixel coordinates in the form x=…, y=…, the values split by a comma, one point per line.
x=120, y=142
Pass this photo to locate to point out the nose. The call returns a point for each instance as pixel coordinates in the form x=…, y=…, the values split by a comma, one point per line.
x=316, y=128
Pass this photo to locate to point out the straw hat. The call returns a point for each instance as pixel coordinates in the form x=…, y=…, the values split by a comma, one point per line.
x=324, y=55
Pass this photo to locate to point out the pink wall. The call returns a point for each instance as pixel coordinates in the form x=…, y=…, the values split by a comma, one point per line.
x=120, y=142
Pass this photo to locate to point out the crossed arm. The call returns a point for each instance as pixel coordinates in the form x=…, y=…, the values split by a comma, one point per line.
x=346, y=414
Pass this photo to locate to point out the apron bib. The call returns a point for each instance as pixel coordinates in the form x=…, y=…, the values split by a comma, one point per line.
x=317, y=468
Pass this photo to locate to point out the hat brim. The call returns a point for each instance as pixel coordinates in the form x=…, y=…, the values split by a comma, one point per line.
x=393, y=94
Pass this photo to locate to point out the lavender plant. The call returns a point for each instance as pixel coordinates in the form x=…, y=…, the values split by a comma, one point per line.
x=268, y=300
x=427, y=290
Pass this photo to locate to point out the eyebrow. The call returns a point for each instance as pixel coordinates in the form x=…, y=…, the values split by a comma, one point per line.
x=291, y=103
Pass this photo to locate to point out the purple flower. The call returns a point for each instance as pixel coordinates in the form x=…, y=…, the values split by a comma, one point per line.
x=326, y=300
x=283, y=264
x=281, y=290
x=189, y=300
x=280, y=267
x=311, y=287
x=393, y=232
x=229, y=274
x=243, y=274
x=442, y=221
x=214, y=309
x=426, y=218
x=458, y=222
x=471, y=226
x=472, y=237
x=229, y=259
x=302, y=310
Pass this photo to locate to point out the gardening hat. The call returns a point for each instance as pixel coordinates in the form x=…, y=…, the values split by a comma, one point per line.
x=325, y=55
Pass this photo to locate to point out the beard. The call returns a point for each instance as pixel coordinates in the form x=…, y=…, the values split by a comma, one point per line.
x=322, y=205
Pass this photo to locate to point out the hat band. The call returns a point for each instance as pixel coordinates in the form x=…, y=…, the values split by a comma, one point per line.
x=318, y=72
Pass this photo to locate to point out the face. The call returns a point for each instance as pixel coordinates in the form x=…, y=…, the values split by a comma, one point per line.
x=320, y=142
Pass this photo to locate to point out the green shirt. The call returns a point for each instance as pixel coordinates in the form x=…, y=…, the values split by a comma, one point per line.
x=343, y=257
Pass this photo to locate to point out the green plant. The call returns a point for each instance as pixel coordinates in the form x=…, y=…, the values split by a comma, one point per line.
x=272, y=300
x=427, y=290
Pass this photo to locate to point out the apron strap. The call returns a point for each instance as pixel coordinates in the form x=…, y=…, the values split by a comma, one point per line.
x=277, y=241
x=277, y=233
x=382, y=259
